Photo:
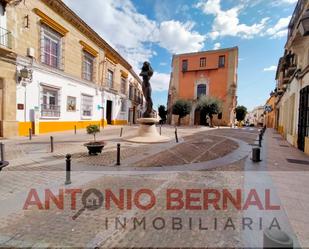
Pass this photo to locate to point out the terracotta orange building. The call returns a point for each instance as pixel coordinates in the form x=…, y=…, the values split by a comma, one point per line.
x=270, y=112
x=211, y=73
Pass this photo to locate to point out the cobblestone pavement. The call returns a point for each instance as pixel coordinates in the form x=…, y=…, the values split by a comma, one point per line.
x=201, y=147
x=55, y=227
x=33, y=166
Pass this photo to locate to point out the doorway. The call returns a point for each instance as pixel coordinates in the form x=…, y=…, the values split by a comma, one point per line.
x=303, y=125
x=1, y=107
x=109, y=108
x=134, y=115
x=200, y=118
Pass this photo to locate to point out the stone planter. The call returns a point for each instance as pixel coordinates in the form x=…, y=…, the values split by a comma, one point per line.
x=95, y=147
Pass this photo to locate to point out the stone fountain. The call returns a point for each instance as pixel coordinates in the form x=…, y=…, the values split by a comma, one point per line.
x=147, y=131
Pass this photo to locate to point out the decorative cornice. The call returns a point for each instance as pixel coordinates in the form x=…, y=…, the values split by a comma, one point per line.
x=50, y=22
x=111, y=58
x=124, y=74
x=89, y=49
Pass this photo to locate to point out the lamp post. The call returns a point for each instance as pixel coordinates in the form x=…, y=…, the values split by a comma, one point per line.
x=304, y=24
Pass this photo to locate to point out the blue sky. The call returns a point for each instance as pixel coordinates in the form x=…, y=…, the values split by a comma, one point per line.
x=154, y=30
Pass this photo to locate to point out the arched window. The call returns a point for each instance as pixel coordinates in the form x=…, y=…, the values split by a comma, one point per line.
x=201, y=90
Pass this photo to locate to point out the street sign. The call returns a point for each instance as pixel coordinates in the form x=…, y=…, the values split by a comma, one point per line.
x=268, y=108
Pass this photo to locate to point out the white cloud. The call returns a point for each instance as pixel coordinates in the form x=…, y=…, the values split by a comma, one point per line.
x=270, y=69
x=179, y=37
x=131, y=33
x=280, y=28
x=227, y=23
x=217, y=45
x=120, y=25
x=160, y=82
x=289, y=1
x=282, y=2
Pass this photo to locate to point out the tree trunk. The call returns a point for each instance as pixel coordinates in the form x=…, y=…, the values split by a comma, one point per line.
x=179, y=118
x=210, y=118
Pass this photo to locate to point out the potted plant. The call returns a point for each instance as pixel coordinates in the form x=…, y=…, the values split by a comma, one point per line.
x=94, y=147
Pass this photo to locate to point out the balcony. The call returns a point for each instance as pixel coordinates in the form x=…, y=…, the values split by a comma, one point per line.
x=5, y=38
x=50, y=111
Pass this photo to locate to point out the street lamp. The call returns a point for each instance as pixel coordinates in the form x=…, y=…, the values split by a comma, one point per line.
x=304, y=24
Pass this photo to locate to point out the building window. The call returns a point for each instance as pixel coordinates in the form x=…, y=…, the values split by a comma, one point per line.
x=185, y=65
x=139, y=97
x=87, y=105
x=131, y=92
x=123, y=85
x=222, y=61
x=110, y=78
x=135, y=95
x=88, y=66
x=71, y=104
x=201, y=90
x=203, y=62
x=51, y=47
x=49, y=105
x=123, y=105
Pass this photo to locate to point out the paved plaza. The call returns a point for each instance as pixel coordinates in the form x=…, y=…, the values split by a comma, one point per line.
x=204, y=158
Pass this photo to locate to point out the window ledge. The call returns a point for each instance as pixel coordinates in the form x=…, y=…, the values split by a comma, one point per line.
x=51, y=118
x=86, y=117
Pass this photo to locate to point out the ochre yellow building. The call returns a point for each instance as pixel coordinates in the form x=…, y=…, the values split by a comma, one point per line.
x=58, y=73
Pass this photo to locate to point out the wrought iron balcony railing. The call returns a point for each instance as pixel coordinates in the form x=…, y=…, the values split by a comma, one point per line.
x=50, y=110
x=5, y=38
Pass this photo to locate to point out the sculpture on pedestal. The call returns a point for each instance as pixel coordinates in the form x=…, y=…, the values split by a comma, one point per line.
x=147, y=73
x=147, y=131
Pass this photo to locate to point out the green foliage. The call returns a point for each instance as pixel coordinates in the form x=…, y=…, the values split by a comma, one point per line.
x=209, y=105
x=162, y=112
x=181, y=108
x=93, y=130
x=241, y=112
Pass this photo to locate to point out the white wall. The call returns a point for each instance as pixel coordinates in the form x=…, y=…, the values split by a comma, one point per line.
x=67, y=87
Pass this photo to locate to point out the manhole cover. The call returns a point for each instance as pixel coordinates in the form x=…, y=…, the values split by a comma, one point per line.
x=296, y=161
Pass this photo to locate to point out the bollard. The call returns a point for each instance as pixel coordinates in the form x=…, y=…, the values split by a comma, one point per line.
x=273, y=238
x=176, y=135
x=160, y=130
x=2, y=151
x=30, y=133
x=121, y=132
x=75, y=129
x=68, y=169
x=260, y=141
x=51, y=144
x=118, y=154
x=256, y=155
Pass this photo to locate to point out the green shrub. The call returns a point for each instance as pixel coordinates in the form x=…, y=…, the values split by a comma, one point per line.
x=93, y=130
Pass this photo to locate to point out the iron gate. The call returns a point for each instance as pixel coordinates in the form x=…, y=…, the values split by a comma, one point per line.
x=303, y=122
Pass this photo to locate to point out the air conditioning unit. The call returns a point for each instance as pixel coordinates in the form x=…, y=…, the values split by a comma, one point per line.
x=31, y=52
